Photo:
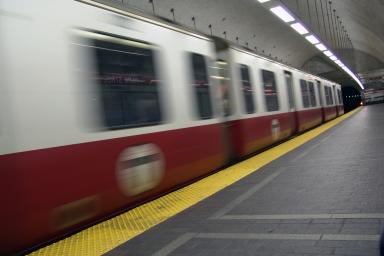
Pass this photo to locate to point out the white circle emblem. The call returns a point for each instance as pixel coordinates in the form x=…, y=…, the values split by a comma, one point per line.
x=139, y=169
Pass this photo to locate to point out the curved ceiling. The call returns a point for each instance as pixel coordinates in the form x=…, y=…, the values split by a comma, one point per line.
x=364, y=20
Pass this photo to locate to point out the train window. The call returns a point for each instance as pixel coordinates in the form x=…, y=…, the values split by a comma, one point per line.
x=129, y=87
x=201, y=86
x=330, y=96
x=319, y=92
x=247, y=89
x=326, y=90
x=288, y=81
x=270, y=91
x=304, y=93
x=335, y=95
x=340, y=98
x=312, y=95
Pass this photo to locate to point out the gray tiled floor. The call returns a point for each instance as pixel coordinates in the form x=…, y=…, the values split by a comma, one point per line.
x=324, y=198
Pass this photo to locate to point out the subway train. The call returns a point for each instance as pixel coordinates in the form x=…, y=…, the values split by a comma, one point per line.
x=102, y=109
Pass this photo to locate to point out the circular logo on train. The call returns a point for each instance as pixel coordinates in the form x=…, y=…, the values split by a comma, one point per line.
x=275, y=128
x=139, y=169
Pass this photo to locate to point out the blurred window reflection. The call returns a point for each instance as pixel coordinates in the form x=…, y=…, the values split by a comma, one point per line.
x=312, y=94
x=340, y=98
x=128, y=84
x=200, y=83
x=247, y=89
x=328, y=95
x=270, y=90
x=304, y=93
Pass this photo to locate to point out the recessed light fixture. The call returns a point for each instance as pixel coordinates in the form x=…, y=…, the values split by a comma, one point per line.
x=328, y=53
x=312, y=39
x=321, y=47
x=338, y=62
x=263, y=1
x=299, y=28
x=333, y=57
x=282, y=14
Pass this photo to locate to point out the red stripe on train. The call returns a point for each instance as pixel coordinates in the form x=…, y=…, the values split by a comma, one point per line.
x=36, y=182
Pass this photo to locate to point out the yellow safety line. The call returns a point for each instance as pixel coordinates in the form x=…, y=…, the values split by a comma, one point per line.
x=105, y=236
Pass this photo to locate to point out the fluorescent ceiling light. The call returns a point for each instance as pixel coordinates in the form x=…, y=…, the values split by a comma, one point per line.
x=338, y=62
x=349, y=71
x=263, y=1
x=282, y=14
x=321, y=47
x=312, y=39
x=299, y=28
x=333, y=57
x=328, y=53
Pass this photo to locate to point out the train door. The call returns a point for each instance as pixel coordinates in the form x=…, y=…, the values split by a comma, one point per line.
x=291, y=99
x=320, y=92
x=224, y=88
x=223, y=81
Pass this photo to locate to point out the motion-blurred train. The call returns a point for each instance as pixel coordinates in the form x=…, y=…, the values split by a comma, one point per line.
x=103, y=109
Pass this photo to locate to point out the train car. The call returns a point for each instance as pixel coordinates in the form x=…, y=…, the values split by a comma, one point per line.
x=99, y=114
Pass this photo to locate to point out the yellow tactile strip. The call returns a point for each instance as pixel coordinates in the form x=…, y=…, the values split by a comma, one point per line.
x=107, y=235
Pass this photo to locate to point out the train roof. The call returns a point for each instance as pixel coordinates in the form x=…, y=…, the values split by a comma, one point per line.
x=118, y=8
x=223, y=43
x=160, y=21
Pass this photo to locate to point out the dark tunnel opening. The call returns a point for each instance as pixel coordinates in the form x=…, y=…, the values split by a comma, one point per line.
x=351, y=98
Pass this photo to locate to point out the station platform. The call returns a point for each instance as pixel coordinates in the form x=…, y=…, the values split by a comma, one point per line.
x=320, y=193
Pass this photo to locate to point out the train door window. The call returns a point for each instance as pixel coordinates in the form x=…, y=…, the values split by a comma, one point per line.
x=340, y=98
x=312, y=96
x=224, y=86
x=270, y=91
x=129, y=87
x=201, y=86
x=335, y=95
x=330, y=96
x=304, y=93
x=327, y=95
x=247, y=89
x=288, y=81
x=319, y=92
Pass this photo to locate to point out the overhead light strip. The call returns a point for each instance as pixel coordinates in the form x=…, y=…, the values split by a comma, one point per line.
x=312, y=39
x=283, y=14
x=333, y=57
x=321, y=47
x=286, y=16
x=300, y=28
x=328, y=53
